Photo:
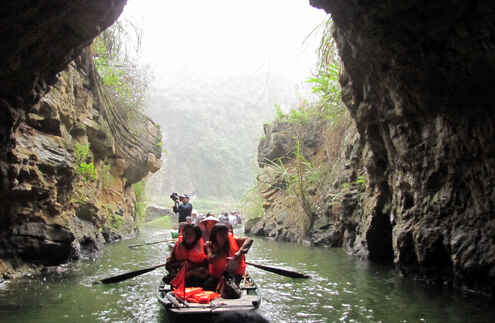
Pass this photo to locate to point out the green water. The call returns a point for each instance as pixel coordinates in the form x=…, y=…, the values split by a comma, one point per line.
x=342, y=289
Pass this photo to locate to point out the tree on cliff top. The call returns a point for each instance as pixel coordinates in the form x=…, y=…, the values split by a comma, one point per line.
x=116, y=56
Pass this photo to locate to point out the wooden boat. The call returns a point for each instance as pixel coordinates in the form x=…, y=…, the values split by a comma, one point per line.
x=179, y=309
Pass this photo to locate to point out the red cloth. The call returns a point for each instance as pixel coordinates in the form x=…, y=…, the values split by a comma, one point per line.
x=217, y=267
x=202, y=297
x=179, y=282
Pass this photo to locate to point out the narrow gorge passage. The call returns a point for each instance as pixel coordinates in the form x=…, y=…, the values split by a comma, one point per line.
x=354, y=137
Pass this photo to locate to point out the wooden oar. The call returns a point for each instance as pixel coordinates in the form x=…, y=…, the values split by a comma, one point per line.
x=280, y=271
x=149, y=243
x=129, y=275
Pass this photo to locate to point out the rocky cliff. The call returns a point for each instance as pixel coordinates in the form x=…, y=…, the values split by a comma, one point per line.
x=68, y=157
x=416, y=79
x=333, y=182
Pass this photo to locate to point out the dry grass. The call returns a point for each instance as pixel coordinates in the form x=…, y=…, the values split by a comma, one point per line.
x=335, y=135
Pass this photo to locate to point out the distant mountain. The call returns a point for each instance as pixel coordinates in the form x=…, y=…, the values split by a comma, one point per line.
x=211, y=131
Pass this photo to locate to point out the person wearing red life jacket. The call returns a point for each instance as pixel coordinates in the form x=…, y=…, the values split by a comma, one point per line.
x=189, y=248
x=226, y=256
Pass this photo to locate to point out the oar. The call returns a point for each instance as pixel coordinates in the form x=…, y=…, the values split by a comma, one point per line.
x=148, y=243
x=280, y=271
x=122, y=277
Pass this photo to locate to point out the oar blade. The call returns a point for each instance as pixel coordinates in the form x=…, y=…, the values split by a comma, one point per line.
x=280, y=271
x=129, y=275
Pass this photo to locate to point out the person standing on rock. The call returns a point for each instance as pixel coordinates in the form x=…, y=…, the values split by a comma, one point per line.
x=183, y=210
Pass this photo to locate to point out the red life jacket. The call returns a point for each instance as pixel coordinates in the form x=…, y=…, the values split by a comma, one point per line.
x=218, y=265
x=195, y=255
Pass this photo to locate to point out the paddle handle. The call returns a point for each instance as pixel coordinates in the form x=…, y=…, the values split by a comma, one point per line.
x=149, y=243
x=280, y=271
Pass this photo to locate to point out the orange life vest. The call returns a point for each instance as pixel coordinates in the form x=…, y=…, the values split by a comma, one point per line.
x=217, y=267
x=195, y=255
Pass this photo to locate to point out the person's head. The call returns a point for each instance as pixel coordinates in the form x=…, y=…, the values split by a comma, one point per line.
x=191, y=235
x=219, y=235
x=185, y=198
x=209, y=222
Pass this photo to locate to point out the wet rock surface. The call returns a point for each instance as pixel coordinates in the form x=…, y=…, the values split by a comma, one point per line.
x=412, y=83
x=416, y=80
x=51, y=210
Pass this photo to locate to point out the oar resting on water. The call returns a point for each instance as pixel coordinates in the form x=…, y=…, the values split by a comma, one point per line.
x=132, y=274
x=129, y=275
x=149, y=243
x=280, y=271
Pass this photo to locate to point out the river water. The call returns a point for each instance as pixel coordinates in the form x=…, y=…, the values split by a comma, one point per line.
x=342, y=289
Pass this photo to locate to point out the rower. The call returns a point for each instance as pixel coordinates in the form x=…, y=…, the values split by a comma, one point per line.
x=226, y=257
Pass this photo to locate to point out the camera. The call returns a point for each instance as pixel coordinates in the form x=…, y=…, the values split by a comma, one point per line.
x=176, y=197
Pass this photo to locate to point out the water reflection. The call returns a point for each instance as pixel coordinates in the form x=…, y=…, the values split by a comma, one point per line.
x=342, y=289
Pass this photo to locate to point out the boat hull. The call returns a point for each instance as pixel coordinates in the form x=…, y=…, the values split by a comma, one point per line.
x=178, y=310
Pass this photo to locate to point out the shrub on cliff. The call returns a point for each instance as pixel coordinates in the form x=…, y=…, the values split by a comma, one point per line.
x=84, y=166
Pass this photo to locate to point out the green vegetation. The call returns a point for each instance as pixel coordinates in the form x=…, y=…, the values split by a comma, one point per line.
x=116, y=53
x=299, y=178
x=115, y=220
x=140, y=193
x=162, y=222
x=361, y=181
x=105, y=176
x=252, y=203
x=85, y=169
x=212, y=136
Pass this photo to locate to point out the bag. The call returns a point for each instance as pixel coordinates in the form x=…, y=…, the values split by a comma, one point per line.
x=228, y=288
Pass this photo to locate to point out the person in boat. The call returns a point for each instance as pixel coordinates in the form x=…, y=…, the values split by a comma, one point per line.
x=226, y=257
x=188, y=249
x=182, y=209
x=206, y=225
x=224, y=218
x=194, y=217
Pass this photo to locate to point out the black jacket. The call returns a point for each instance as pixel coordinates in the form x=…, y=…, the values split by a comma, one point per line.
x=184, y=211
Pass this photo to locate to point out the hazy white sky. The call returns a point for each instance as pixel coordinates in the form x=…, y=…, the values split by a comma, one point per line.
x=227, y=37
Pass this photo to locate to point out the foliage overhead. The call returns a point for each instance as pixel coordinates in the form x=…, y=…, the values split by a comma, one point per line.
x=116, y=56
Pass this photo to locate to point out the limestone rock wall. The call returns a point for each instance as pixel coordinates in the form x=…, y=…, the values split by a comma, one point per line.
x=417, y=78
x=53, y=209
x=335, y=189
x=49, y=212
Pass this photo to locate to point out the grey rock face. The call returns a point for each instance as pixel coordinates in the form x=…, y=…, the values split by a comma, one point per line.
x=50, y=211
x=280, y=141
x=41, y=243
x=418, y=88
